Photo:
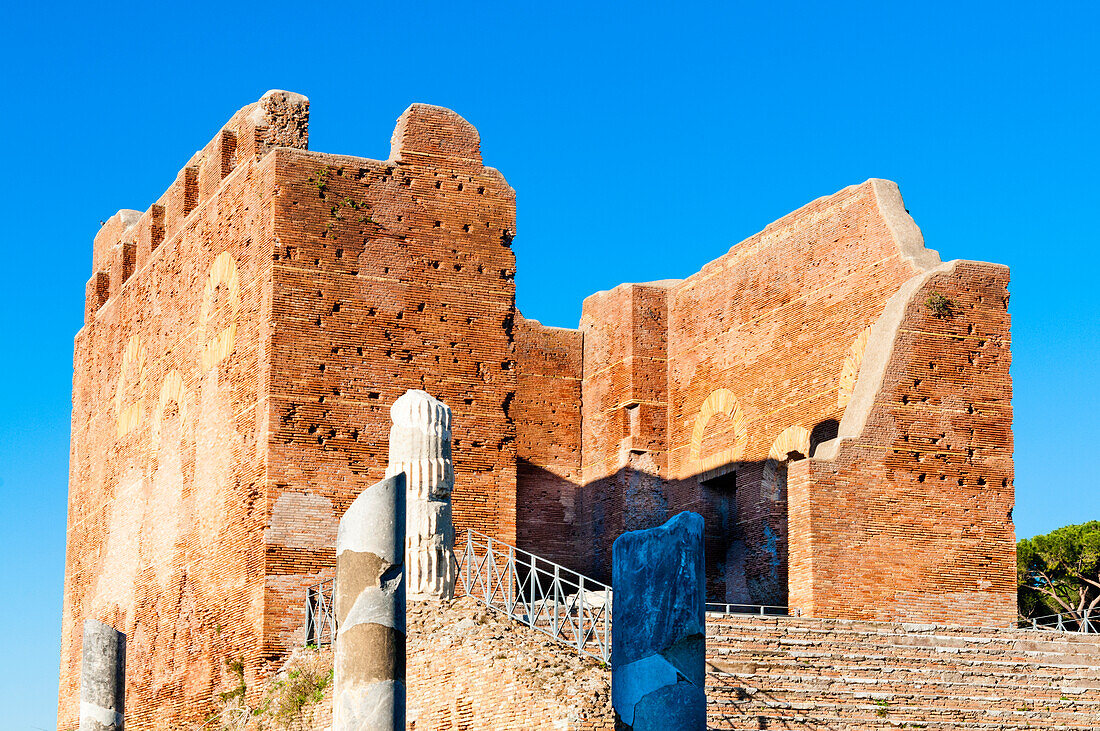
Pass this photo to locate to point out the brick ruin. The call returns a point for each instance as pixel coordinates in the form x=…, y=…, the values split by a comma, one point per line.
x=833, y=399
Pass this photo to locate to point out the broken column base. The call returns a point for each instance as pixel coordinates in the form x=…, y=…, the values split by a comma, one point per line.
x=658, y=630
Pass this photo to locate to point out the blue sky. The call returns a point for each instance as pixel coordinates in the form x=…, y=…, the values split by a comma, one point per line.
x=642, y=140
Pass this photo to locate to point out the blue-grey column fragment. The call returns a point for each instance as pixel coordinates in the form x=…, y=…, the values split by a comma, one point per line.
x=658, y=635
x=102, y=678
x=369, y=663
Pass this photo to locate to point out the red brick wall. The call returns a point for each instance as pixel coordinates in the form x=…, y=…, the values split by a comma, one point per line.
x=912, y=519
x=548, y=443
x=388, y=276
x=266, y=321
x=625, y=414
x=771, y=323
x=246, y=335
x=167, y=463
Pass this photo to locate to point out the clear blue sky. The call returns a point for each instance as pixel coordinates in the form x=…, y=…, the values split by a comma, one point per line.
x=642, y=142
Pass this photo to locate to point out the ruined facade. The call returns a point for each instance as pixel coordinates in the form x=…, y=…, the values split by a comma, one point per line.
x=831, y=398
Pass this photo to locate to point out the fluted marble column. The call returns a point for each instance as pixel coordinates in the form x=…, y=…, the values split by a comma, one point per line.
x=369, y=667
x=420, y=446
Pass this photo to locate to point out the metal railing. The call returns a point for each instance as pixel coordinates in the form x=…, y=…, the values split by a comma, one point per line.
x=569, y=607
x=1087, y=622
x=320, y=614
x=759, y=610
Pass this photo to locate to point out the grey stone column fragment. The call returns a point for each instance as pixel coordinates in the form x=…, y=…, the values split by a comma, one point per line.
x=420, y=446
x=658, y=635
x=102, y=678
x=369, y=667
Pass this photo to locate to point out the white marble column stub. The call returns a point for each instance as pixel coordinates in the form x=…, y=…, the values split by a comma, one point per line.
x=102, y=678
x=420, y=446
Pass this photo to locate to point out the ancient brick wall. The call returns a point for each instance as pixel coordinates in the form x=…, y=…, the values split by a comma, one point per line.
x=245, y=338
x=246, y=335
x=759, y=341
x=625, y=415
x=166, y=473
x=548, y=444
x=387, y=276
x=471, y=668
x=909, y=515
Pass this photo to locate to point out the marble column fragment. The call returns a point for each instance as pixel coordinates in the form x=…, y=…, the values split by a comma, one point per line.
x=420, y=446
x=658, y=635
x=369, y=665
x=102, y=678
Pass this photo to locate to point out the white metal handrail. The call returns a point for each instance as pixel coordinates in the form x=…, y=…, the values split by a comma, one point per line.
x=320, y=614
x=1086, y=622
x=760, y=610
x=569, y=607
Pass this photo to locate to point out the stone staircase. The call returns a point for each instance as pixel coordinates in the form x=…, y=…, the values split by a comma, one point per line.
x=790, y=673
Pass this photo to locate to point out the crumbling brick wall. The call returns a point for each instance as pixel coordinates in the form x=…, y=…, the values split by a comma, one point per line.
x=388, y=276
x=472, y=668
x=166, y=473
x=244, y=339
x=246, y=335
x=909, y=514
x=548, y=443
x=757, y=345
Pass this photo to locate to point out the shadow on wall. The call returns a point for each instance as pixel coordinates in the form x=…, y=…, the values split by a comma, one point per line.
x=744, y=508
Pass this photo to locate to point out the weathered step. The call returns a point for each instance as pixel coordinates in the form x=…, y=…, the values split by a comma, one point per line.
x=854, y=675
x=921, y=669
x=743, y=689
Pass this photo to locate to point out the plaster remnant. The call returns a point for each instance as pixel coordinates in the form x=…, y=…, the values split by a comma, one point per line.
x=302, y=520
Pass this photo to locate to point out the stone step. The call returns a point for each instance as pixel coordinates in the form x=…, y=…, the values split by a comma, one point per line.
x=744, y=686
x=872, y=627
x=818, y=708
x=938, y=642
x=719, y=625
x=856, y=674
x=822, y=653
x=914, y=671
x=976, y=686
x=764, y=718
x=825, y=656
x=901, y=644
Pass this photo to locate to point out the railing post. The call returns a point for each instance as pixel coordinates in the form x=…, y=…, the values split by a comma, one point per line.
x=490, y=563
x=607, y=627
x=532, y=581
x=309, y=615
x=466, y=560
x=509, y=589
x=580, y=615
x=555, y=628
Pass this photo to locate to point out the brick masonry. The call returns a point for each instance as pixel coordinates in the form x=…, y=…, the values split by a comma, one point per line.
x=245, y=336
